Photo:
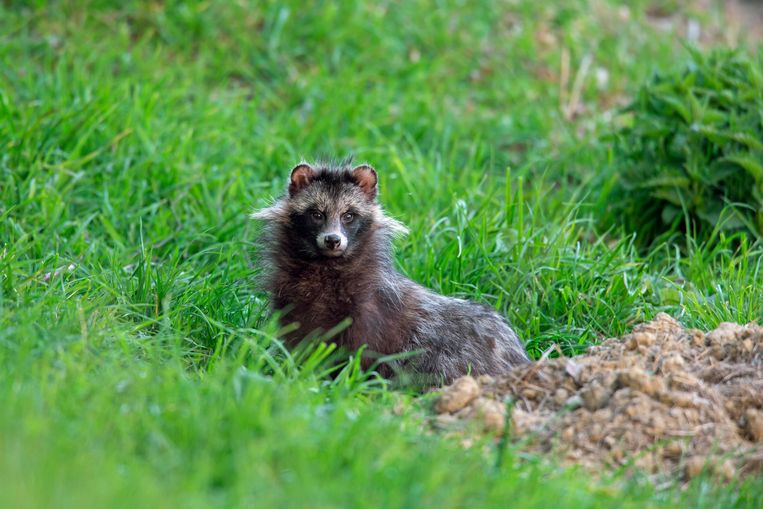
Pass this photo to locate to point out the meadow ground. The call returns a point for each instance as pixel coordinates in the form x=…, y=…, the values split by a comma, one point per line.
x=138, y=364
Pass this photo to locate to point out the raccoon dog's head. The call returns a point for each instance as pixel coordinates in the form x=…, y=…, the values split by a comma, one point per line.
x=329, y=212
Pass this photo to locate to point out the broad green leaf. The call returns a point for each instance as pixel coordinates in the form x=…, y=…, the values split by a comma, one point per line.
x=750, y=163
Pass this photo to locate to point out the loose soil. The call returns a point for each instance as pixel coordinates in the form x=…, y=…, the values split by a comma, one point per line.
x=662, y=399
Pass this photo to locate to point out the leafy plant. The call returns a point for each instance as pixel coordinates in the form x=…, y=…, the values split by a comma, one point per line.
x=691, y=159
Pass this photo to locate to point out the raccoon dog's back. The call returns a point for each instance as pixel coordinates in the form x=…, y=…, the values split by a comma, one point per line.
x=327, y=253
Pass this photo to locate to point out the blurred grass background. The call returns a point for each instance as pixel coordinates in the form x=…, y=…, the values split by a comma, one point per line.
x=138, y=363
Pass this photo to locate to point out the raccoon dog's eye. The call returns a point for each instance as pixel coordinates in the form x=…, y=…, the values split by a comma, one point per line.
x=347, y=217
x=317, y=216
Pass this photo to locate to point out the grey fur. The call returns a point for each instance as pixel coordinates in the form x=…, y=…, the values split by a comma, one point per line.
x=391, y=314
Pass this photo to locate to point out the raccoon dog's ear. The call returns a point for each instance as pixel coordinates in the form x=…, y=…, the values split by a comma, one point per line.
x=301, y=176
x=365, y=177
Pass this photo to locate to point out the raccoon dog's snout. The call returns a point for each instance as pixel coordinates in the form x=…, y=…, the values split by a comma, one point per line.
x=332, y=243
x=332, y=240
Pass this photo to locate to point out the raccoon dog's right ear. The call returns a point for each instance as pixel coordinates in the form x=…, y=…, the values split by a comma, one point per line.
x=365, y=177
x=301, y=176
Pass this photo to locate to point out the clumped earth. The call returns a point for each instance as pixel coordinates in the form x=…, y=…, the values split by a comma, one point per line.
x=662, y=399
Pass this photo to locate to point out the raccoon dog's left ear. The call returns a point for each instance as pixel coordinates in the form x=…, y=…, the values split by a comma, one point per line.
x=365, y=177
x=301, y=177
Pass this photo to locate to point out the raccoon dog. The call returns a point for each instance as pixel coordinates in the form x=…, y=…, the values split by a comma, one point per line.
x=327, y=251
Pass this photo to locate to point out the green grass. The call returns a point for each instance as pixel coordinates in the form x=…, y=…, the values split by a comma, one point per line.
x=138, y=365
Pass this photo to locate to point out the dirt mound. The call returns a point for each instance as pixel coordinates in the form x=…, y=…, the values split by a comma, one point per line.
x=663, y=399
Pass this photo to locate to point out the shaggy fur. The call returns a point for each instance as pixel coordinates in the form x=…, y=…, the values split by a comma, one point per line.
x=327, y=247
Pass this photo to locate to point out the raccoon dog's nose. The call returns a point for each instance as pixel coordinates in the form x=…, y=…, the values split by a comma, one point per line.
x=332, y=241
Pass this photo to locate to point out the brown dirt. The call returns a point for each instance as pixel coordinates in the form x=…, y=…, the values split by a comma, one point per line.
x=663, y=399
